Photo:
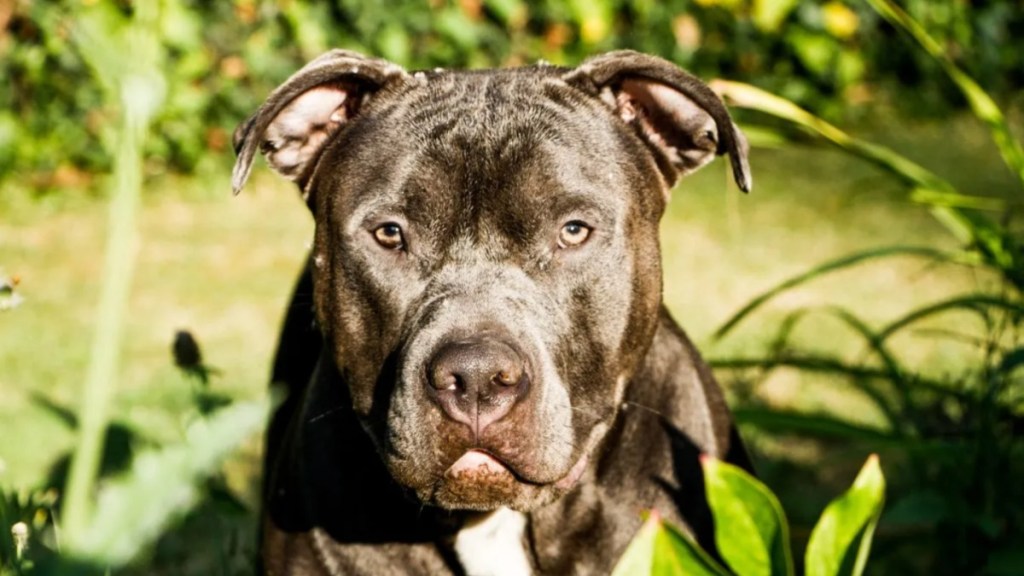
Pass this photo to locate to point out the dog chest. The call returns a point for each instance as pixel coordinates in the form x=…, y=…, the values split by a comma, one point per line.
x=494, y=546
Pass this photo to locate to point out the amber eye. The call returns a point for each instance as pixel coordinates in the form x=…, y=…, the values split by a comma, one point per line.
x=389, y=236
x=573, y=234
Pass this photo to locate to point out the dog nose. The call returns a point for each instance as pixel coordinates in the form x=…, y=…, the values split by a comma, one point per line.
x=477, y=382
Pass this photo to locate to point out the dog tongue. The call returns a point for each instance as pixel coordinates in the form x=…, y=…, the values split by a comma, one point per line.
x=476, y=462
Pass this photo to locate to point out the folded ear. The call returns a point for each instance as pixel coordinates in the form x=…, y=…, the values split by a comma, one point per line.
x=298, y=119
x=676, y=113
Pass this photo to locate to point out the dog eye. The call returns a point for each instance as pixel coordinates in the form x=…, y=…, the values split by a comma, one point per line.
x=573, y=234
x=389, y=236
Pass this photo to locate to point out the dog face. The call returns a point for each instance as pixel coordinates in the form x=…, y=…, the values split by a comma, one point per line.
x=486, y=263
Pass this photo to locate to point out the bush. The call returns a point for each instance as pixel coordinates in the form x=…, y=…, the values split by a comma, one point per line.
x=827, y=55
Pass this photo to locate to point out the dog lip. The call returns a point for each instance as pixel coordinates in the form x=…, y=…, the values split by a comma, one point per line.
x=575, y=473
x=477, y=461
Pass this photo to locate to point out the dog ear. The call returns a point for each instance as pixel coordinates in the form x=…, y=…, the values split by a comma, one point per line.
x=675, y=112
x=296, y=122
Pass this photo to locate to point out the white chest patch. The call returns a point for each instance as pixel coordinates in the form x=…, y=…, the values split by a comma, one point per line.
x=494, y=546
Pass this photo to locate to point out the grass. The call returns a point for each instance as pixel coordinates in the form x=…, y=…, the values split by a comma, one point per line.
x=222, y=267
x=209, y=263
x=722, y=249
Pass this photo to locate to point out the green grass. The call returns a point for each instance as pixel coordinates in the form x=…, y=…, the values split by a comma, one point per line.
x=808, y=206
x=219, y=266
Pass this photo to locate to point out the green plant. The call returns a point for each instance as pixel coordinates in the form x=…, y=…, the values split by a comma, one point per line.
x=828, y=55
x=109, y=526
x=134, y=507
x=952, y=439
x=752, y=534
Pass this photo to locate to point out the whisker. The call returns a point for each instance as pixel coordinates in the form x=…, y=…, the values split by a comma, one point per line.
x=585, y=411
x=642, y=407
x=325, y=414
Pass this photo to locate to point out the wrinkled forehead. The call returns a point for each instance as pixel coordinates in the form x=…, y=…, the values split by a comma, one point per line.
x=510, y=142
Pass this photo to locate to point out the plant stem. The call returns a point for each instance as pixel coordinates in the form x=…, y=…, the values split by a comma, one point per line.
x=101, y=378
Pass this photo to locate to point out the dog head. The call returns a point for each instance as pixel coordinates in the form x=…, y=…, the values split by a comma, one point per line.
x=486, y=262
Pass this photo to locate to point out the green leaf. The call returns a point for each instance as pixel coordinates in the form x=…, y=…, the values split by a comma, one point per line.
x=750, y=526
x=840, y=542
x=981, y=104
x=639, y=556
x=512, y=13
x=163, y=484
x=677, y=553
x=768, y=15
x=659, y=549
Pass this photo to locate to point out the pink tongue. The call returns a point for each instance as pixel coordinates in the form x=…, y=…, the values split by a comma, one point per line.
x=476, y=461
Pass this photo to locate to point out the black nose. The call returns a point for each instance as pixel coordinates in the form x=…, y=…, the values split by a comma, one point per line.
x=477, y=381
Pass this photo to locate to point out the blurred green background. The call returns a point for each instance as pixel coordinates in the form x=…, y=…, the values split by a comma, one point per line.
x=222, y=267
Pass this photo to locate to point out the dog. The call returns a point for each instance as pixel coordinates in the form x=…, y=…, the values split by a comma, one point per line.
x=483, y=378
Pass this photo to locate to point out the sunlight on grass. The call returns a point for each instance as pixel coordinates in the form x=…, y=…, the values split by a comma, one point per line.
x=219, y=266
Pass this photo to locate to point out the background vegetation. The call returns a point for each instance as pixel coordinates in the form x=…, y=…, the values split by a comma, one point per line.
x=864, y=299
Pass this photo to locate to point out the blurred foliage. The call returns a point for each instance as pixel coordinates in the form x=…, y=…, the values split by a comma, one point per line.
x=830, y=56
x=165, y=505
x=953, y=441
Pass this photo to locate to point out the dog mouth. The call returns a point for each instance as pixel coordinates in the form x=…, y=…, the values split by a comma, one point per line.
x=478, y=478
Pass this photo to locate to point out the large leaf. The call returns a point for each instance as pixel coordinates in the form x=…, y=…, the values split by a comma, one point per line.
x=675, y=553
x=658, y=549
x=162, y=486
x=840, y=542
x=750, y=528
x=639, y=556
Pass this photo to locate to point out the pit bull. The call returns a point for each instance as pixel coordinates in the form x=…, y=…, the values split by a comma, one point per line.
x=483, y=378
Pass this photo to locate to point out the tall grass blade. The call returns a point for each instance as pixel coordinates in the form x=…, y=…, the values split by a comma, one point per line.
x=912, y=174
x=822, y=269
x=981, y=104
x=978, y=303
x=868, y=386
x=946, y=203
x=829, y=365
x=818, y=425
